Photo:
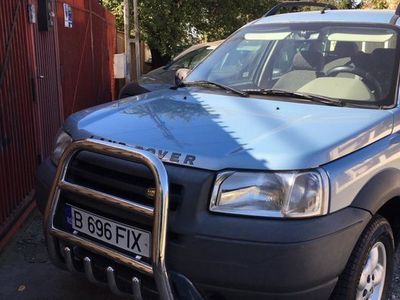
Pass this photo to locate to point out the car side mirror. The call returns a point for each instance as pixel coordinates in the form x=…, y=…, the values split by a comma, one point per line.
x=181, y=74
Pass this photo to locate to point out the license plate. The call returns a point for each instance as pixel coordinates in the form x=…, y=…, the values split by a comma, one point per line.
x=112, y=232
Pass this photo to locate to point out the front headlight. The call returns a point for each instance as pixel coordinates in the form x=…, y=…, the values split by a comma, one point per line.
x=285, y=195
x=62, y=141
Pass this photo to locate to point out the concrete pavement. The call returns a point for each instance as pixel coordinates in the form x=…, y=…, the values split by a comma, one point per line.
x=27, y=273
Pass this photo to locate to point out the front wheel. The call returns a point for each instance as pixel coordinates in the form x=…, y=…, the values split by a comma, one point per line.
x=368, y=273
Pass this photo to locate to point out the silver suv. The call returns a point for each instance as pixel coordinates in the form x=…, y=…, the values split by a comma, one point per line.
x=271, y=172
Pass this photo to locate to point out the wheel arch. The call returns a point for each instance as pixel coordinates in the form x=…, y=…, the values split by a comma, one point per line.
x=381, y=195
x=391, y=212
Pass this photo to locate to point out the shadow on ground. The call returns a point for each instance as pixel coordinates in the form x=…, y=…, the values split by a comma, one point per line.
x=27, y=273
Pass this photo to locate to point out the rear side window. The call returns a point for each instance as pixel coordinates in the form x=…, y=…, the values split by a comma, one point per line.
x=190, y=60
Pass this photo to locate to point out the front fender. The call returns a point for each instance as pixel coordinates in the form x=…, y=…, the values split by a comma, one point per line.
x=381, y=188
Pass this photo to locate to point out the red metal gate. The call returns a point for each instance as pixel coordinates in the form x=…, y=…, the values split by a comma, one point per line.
x=86, y=52
x=18, y=149
x=42, y=73
x=47, y=85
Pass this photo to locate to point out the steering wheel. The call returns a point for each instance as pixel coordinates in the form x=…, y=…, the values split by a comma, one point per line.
x=372, y=83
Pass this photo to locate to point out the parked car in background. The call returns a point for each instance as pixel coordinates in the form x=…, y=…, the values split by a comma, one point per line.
x=164, y=77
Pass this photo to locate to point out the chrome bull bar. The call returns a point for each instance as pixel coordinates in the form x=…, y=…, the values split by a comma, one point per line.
x=159, y=213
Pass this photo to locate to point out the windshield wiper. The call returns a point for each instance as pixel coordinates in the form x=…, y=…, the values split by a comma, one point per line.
x=219, y=85
x=282, y=93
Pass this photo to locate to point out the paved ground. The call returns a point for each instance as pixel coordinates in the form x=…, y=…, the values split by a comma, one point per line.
x=26, y=272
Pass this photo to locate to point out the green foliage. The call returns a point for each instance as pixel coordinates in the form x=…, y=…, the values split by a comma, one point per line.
x=380, y=4
x=169, y=26
x=166, y=25
x=215, y=19
x=116, y=7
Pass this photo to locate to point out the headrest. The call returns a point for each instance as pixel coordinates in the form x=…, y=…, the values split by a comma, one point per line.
x=384, y=58
x=308, y=60
x=384, y=54
x=346, y=49
x=362, y=60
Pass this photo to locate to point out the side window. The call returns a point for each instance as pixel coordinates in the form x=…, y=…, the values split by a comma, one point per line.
x=284, y=54
x=239, y=63
x=187, y=60
x=283, y=62
x=199, y=57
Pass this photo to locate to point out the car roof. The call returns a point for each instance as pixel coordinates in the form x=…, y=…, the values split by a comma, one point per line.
x=346, y=16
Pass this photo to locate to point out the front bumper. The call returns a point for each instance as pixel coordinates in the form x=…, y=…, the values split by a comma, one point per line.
x=230, y=257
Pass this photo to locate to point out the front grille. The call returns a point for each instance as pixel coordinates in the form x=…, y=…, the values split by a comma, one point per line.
x=128, y=180
x=102, y=178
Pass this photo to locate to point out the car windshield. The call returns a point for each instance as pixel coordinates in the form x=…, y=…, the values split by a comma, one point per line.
x=352, y=63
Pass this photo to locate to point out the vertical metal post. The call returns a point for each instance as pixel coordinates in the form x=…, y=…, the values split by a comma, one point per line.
x=137, y=40
x=127, y=42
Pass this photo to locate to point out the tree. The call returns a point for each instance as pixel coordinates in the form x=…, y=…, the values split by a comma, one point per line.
x=380, y=4
x=393, y=4
x=168, y=26
x=216, y=19
x=116, y=7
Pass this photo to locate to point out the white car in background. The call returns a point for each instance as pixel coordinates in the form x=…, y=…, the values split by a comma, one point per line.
x=164, y=77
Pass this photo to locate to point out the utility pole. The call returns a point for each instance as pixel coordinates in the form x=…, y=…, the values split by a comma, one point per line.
x=137, y=39
x=127, y=43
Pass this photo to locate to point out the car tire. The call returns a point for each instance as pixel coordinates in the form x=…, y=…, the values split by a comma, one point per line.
x=131, y=89
x=360, y=277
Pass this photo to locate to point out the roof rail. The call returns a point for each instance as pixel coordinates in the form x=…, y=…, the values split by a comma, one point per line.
x=293, y=4
x=396, y=16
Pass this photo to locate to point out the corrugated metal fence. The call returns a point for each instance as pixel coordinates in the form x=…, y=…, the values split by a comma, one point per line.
x=47, y=84
x=18, y=155
x=45, y=76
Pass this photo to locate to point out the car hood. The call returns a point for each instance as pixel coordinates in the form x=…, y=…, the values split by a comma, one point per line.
x=218, y=131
